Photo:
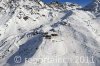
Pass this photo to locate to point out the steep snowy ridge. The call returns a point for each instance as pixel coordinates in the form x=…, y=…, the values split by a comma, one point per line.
x=94, y=7
x=31, y=30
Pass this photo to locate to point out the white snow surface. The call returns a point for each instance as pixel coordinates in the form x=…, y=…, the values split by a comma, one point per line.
x=36, y=34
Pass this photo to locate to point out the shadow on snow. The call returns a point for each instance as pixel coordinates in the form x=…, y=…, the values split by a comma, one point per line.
x=26, y=50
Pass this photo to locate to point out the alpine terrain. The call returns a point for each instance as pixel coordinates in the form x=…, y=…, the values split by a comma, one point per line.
x=33, y=33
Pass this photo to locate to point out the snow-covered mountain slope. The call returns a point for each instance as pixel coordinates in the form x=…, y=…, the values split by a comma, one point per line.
x=36, y=34
x=94, y=7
